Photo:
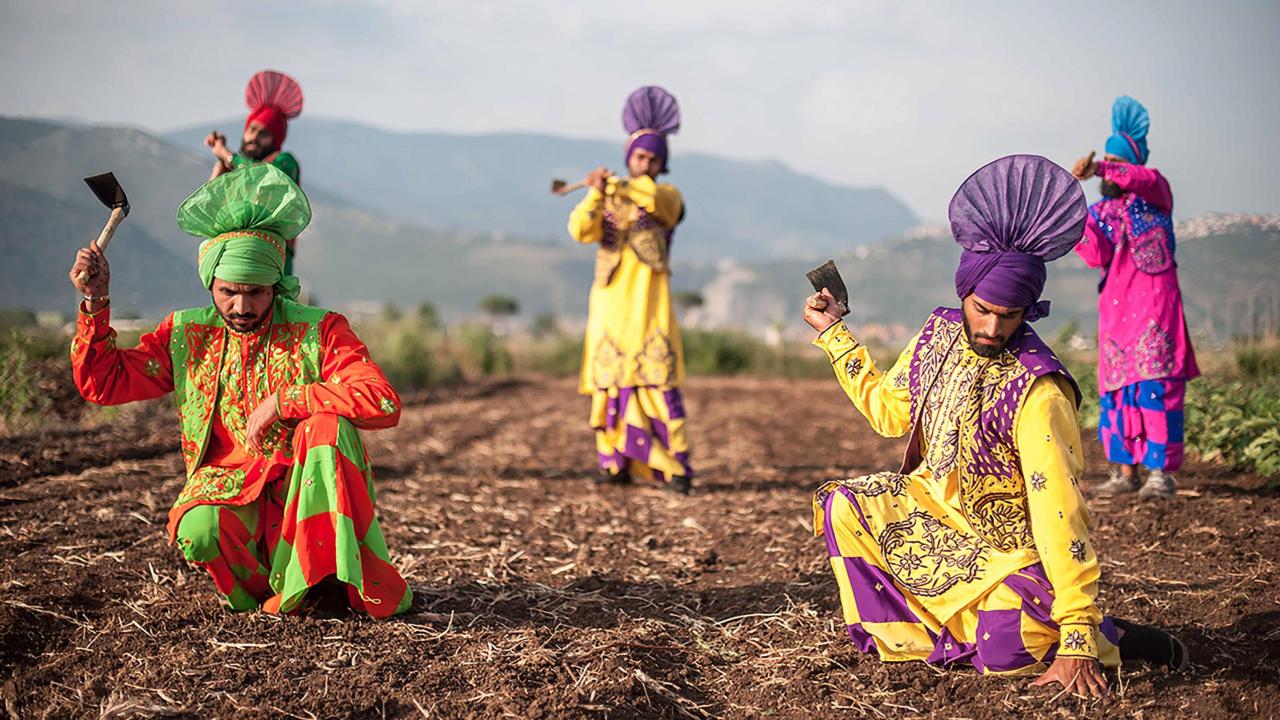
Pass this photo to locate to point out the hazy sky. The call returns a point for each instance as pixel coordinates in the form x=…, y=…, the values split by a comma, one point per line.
x=911, y=96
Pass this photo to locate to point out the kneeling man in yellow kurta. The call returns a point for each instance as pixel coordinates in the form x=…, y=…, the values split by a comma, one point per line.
x=977, y=550
x=632, y=361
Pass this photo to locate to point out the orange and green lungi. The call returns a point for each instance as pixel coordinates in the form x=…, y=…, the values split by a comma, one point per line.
x=311, y=519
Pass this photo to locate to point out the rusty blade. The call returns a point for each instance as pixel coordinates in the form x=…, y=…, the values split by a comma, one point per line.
x=108, y=190
x=827, y=276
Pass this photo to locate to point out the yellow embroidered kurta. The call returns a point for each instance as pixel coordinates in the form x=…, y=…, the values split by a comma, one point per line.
x=917, y=529
x=632, y=359
x=632, y=339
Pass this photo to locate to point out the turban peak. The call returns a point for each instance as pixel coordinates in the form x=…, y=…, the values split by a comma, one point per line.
x=649, y=116
x=245, y=217
x=273, y=99
x=1130, y=123
x=1012, y=217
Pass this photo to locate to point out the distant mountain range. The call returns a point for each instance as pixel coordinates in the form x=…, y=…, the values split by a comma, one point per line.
x=1226, y=268
x=485, y=184
x=367, y=243
x=348, y=254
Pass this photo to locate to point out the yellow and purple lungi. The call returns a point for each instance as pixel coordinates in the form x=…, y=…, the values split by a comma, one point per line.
x=1006, y=629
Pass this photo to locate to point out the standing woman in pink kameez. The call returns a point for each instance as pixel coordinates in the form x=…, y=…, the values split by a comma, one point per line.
x=1144, y=352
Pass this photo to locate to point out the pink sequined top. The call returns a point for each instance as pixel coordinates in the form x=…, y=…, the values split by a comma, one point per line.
x=1142, y=333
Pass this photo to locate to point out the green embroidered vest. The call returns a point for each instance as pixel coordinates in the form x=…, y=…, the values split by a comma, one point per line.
x=206, y=377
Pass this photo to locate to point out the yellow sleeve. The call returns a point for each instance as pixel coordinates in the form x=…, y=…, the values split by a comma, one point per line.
x=662, y=202
x=883, y=398
x=586, y=222
x=1048, y=439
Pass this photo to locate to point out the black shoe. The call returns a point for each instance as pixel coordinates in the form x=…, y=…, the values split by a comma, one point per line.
x=604, y=477
x=680, y=484
x=1152, y=645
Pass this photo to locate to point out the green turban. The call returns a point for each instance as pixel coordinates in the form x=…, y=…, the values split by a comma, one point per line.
x=245, y=217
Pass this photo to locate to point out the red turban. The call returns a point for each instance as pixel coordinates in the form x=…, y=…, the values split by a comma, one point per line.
x=273, y=99
x=273, y=120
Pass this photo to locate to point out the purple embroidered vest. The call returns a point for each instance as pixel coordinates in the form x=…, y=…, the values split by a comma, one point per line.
x=964, y=411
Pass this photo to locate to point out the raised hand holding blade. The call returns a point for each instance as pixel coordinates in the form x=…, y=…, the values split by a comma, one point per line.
x=827, y=276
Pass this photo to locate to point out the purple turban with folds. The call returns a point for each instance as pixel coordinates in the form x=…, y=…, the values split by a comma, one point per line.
x=1011, y=217
x=650, y=115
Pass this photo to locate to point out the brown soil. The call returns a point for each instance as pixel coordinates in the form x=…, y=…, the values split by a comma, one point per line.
x=541, y=596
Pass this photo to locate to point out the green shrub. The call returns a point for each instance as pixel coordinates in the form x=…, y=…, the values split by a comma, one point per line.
x=21, y=401
x=16, y=318
x=1236, y=422
x=484, y=351
x=1258, y=360
x=558, y=354
x=720, y=352
x=500, y=305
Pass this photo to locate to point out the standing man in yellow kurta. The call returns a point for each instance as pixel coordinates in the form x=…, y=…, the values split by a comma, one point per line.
x=632, y=360
x=977, y=550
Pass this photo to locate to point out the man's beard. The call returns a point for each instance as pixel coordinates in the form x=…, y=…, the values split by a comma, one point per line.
x=243, y=323
x=255, y=151
x=1109, y=189
x=983, y=350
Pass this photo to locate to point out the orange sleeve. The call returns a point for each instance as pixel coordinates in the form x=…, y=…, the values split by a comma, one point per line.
x=353, y=385
x=107, y=375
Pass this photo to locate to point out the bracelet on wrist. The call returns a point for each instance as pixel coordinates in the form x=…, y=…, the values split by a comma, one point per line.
x=99, y=298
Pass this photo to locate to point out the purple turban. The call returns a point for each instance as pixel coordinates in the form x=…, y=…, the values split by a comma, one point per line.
x=650, y=115
x=1011, y=217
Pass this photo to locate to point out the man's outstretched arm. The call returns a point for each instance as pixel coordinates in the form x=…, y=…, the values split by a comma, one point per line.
x=105, y=374
x=884, y=399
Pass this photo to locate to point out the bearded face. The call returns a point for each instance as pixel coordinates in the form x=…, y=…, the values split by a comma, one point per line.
x=257, y=143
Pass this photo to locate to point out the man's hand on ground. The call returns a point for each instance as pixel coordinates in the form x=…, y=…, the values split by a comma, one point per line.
x=259, y=421
x=1080, y=676
x=821, y=310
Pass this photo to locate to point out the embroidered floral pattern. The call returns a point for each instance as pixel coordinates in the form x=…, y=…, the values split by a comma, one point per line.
x=927, y=557
x=1038, y=481
x=211, y=484
x=237, y=379
x=1154, y=352
x=1078, y=550
x=853, y=366
x=152, y=367
x=1074, y=640
x=1113, y=364
x=202, y=347
x=607, y=363
x=387, y=407
x=1151, y=251
x=878, y=484
x=245, y=386
x=967, y=418
x=656, y=363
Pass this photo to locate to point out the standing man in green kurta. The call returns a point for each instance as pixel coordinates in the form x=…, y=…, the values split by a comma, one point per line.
x=273, y=99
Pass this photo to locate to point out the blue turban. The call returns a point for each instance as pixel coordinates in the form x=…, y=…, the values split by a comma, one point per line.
x=1129, y=125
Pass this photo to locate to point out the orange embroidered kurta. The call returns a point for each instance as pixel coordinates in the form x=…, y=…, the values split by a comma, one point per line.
x=268, y=363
